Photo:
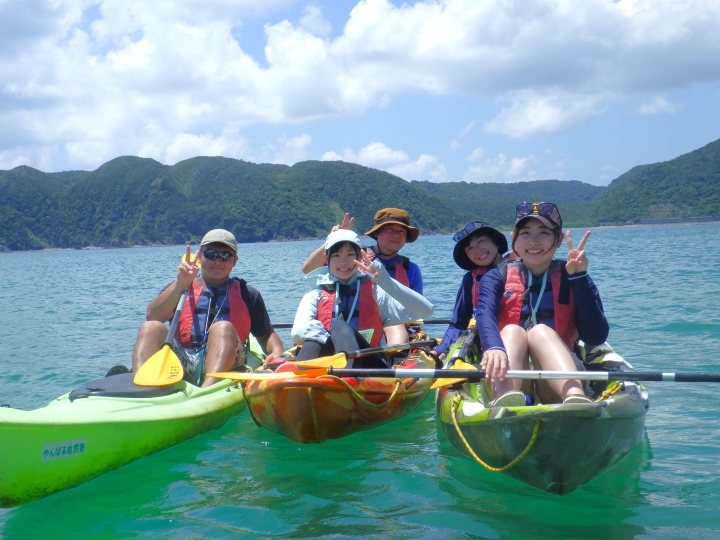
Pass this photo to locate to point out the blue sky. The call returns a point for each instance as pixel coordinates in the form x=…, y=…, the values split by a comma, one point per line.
x=440, y=90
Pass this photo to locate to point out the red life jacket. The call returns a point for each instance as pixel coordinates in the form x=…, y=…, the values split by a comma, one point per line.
x=369, y=316
x=563, y=304
x=400, y=267
x=477, y=273
x=239, y=314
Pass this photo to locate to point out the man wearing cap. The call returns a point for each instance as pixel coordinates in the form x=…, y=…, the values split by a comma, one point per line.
x=218, y=316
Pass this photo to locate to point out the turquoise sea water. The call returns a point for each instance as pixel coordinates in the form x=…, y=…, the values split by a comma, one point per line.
x=69, y=315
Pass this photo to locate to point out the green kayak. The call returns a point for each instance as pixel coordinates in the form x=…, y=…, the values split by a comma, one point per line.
x=556, y=448
x=99, y=427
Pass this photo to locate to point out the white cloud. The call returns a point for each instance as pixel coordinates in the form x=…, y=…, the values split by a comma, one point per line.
x=380, y=156
x=455, y=143
x=476, y=155
x=499, y=169
x=186, y=145
x=657, y=105
x=314, y=21
x=80, y=80
x=288, y=150
x=532, y=113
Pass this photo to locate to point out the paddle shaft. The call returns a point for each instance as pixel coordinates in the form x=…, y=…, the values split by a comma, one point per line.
x=176, y=318
x=434, y=321
x=478, y=375
x=390, y=348
x=462, y=352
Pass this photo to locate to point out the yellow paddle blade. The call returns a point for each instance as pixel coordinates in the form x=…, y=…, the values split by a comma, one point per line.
x=161, y=369
x=185, y=259
x=459, y=364
x=236, y=376
x=337, y=361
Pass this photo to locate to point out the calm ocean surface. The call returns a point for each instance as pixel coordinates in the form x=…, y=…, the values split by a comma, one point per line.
x=67, y=316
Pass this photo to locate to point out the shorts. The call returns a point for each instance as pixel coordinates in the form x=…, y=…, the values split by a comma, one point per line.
x=193, y=361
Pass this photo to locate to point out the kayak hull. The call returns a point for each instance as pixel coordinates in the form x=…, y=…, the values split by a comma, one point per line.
x=315, y=409
x=68, y=442
x=555, y=448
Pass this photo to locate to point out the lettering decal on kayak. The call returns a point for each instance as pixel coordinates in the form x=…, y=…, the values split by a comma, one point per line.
x=61, y=450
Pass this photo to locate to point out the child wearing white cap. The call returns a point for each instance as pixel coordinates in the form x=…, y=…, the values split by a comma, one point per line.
x=355, y=292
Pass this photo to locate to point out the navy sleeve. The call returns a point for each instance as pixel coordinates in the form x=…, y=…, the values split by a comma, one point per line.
x=492, y=286
x=415, y=277
x=592, y=324
x=461, y=315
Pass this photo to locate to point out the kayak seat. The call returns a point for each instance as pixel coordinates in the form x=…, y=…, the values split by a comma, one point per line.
x=121, y=386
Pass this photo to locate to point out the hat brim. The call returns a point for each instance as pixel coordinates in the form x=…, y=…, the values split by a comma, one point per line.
x=542, y=219
x=234, y=248
x=461, y=258
x=412, y=232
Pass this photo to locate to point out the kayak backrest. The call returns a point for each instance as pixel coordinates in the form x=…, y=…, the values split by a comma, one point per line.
x=121, y=386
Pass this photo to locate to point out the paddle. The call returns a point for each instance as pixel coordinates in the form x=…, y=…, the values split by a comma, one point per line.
x=434, y=321
x=164, y=368
x=478, y=375
x=338, y=360
x=457, y=360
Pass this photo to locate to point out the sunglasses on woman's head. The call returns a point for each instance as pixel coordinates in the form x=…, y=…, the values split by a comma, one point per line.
x=214, y=255
x=541, y=208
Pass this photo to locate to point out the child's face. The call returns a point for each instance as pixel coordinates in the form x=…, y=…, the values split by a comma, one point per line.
x=342, y=262
x=391, y=238
x=535, y=244
x=481, y=251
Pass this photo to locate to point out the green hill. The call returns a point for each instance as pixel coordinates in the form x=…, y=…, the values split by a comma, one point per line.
x=495, y=202
x=138, y=201
x=687, y=186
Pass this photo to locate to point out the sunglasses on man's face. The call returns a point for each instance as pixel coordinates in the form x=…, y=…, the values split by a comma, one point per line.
x=214, y=255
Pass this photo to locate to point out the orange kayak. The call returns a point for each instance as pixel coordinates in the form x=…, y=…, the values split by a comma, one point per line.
x=314, y=409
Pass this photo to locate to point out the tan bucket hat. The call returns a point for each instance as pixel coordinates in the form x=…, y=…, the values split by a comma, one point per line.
x=397, y=216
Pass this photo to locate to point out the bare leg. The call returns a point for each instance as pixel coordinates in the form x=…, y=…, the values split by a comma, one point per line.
x=396, y=334
x=151, y=336
x=549, y=352
x=515, y=340
x=222, y=348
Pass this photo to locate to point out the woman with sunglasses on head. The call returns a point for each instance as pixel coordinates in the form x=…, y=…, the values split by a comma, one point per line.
x=478, y=248
x=538, y=307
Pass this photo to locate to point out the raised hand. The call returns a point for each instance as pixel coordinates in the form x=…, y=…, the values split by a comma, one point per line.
x=188, y=268
x=576, y=259
x=346, y=224
x=367, y=267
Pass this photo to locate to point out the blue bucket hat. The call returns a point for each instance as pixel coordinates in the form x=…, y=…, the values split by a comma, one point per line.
x=462, y=238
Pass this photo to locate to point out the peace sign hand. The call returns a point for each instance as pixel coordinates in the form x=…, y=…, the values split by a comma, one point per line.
x=188, y=268
x=367, y=268
x=346, y=224
x=576, y=258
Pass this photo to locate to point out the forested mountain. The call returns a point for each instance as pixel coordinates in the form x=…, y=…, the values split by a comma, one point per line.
x=138, y=201
x=687, y=186
x=495, y=203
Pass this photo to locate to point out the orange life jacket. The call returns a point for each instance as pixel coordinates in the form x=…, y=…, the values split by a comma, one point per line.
x=369, y=311
x=477, y=273
x=195, y=312
x=515, y=274
x=400, y=266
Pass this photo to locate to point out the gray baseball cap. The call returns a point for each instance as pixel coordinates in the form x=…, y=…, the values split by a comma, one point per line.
x=220, y=236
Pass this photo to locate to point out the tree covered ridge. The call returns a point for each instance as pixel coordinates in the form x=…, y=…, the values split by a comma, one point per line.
x=138, y=201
